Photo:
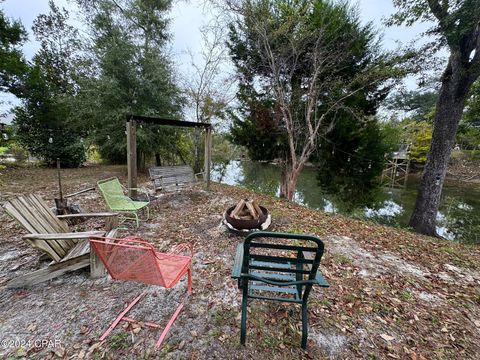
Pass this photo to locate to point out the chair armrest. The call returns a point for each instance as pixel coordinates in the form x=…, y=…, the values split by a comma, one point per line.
x=237, y=264
x=64, y=236
x=105, y=214
x=320, y=280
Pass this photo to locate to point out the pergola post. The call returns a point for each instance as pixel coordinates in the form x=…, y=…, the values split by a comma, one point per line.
x=131, y=156
x=208, y=156
x=132, y=144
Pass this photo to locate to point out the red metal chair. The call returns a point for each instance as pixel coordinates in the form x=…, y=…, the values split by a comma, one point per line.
x=133, y=259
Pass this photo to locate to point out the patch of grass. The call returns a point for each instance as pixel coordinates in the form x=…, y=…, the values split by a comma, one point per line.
x=225, y=317
x=456, y=257
x=118, y=341
x=382, y=309
x=406, y=295
x=341, y=259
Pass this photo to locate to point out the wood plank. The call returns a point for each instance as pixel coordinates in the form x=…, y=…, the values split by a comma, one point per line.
x=251, y=209
x=49, y=220
x=64, y=236
x=53, y=250
x=78, y=192
x=18, y=217
x=257, y=208
x=82, y=248
x=50, y=272
x=208, y=156
x=104, y=214
x=62, y=225
x=132, y=156
x=237, y=209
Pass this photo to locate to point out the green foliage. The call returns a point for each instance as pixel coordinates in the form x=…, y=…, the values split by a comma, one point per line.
x=419, y=136
x=12, y=63
x=223, y=149
x=417, y=104
x=472, y=107
x=325, y=27
x=257, y=131
x=468, y=135
x=351, y=160
x=43, y=120
x=132, y=75
x=392, y=135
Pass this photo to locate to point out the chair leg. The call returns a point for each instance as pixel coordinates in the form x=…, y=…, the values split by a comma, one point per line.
x=189, y=289
x=304, y=325
x=122, y=315
x=169, y=325
x=243, y=325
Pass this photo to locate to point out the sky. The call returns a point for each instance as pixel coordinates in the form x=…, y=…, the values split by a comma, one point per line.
x=187, y=16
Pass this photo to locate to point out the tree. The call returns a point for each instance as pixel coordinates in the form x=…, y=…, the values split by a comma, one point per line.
x=207, y=89
x=415, y=103
x=12, y=62
x=457, y=27
x=297, y=60
x=129, y=73
x=43, y=119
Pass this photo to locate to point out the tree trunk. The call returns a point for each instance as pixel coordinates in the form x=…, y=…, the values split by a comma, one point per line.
x=450, y=104
x=158, y=160
x=289, y=180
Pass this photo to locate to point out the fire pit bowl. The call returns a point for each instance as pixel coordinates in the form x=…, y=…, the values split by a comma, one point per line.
x=246, y=224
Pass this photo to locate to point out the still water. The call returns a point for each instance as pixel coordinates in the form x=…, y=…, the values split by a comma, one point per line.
x=458, y=217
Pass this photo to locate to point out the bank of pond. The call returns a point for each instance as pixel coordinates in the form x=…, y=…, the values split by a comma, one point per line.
x=458, y=217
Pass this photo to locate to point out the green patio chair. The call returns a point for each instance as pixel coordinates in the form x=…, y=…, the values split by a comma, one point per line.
x=279, y=267
x=113, y=193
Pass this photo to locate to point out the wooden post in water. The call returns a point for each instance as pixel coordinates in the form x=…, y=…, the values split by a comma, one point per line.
x=132, y=156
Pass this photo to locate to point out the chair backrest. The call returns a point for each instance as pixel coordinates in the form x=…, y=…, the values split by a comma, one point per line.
x=282, y=256
x=112, y=192
x=129, y=259
x=171, y=175
x=33, y=214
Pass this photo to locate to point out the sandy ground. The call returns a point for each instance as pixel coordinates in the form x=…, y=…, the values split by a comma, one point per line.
x=393, y=294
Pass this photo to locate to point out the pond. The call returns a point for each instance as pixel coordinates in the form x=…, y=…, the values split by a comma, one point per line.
x=458, y=217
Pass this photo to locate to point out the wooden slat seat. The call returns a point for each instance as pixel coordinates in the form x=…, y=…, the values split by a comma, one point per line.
x=166, y=177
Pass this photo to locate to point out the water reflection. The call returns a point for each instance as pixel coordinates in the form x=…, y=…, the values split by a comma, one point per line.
x=458, y=217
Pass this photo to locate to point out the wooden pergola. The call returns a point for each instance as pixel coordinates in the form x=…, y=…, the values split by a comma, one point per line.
x=132, y=121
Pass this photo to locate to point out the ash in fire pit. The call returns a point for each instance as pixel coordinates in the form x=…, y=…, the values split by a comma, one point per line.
x=247, y=216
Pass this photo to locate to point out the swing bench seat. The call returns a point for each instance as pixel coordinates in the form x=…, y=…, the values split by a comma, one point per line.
x=173, y=177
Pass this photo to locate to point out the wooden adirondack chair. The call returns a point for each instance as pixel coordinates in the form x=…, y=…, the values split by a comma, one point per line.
x=49, y=233
x=113, y=193
x=269, y=263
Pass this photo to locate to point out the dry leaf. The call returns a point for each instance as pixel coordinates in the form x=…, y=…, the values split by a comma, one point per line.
x=387, y=337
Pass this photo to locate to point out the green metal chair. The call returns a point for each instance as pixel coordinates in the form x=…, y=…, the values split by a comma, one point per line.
x=113, y=193
x=280, y=267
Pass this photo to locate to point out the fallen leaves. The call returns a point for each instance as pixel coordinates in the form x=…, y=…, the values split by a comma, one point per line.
x=387, y=337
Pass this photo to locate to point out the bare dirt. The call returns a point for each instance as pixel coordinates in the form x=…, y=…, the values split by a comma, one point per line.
x=393, y=294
